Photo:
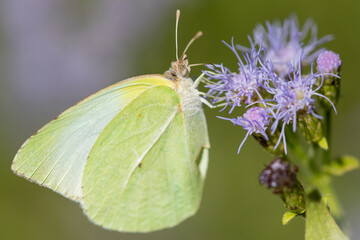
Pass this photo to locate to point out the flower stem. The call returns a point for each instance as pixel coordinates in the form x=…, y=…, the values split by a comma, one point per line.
x=327, y=155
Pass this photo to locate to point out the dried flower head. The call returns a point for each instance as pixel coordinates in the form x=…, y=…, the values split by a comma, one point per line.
x=279, y=176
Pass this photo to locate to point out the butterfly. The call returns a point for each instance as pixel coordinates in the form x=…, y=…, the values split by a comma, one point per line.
x=134, y=155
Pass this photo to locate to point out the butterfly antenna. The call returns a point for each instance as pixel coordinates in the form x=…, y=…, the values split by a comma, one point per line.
x=197, y=35
x=176, y=34
x=199, y=64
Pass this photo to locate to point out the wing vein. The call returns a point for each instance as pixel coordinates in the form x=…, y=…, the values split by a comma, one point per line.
x=170, y=186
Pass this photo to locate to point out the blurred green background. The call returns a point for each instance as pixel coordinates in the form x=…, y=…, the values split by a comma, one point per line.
x=54, y=53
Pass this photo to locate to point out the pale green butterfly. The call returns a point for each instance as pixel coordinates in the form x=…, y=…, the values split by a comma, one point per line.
x=134, y=155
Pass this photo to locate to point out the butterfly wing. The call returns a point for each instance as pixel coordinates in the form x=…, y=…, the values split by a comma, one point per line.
x=55, y=156
x=143, y=172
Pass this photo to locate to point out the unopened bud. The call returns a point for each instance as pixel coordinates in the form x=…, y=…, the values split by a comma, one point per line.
x=311, y=127
x=329, y=63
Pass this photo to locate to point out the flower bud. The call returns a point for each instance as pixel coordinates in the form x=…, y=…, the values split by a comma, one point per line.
x=329, y=62
x=280, y=177
x=311, y=127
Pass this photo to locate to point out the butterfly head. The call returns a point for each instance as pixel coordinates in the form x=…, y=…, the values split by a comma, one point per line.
x=180, y=68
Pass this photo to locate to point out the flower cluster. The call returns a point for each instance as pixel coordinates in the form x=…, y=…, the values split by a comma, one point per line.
x=275, y=81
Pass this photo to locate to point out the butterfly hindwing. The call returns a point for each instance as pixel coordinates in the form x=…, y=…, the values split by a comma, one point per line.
x=55, y=156
x=142, y=174
x=197, y=138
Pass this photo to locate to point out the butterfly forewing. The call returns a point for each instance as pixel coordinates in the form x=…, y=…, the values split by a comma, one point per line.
x=55, y=156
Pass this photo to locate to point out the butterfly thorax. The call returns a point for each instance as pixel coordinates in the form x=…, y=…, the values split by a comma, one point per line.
x=184, y=86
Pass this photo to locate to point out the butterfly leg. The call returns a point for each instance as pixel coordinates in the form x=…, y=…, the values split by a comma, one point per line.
x=210, y=105
x=198, y=80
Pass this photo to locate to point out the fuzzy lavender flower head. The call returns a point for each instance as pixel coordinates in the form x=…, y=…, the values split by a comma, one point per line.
x=293, y=98
x=296, y=95
x=254, y=120
x=279, y=176
x=328, y=62
x=282, y=42
x=238, y=87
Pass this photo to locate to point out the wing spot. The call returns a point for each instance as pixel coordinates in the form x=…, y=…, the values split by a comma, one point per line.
x=179, y=107
x=139, y=115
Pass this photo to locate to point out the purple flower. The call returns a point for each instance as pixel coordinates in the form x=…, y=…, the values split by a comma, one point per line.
x=294, y=97
x=238, y=88
x=328, y=62
x=254, y=120
x=282, y=42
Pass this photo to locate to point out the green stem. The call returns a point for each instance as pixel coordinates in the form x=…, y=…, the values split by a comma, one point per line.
x=307, y=162
x=327, y=155
x=314, y=163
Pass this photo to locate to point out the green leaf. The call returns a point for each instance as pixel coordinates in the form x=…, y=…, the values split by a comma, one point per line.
x=319, y=223
x=287, y=217
x=323, y=143
x=342, y=165
x=331, y=200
